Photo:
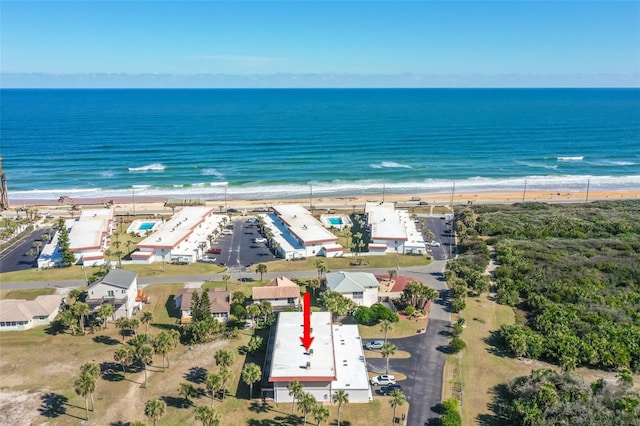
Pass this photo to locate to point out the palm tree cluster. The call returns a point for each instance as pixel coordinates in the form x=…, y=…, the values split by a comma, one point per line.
x=308, y=404
x=418, y=295
x=337, y=304
x=72, y=317
x=85, y=385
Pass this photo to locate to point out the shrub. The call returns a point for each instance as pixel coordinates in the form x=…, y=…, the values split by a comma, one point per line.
x=363, y=315
x=456, y=329
x=451, y=414
x=409, y=311
x=456, y=345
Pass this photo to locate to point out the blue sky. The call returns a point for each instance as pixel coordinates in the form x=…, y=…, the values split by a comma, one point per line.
x=320, y=44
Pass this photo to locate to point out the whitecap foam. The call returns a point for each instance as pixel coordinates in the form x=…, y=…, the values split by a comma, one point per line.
x=211, y=172
x=106, y=174
x=390, y=165
x=569, y=158
x=155, y=167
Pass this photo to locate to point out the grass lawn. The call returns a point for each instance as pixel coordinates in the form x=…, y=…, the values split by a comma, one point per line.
x=28, y=294
x=335, y=264
x=402, y=328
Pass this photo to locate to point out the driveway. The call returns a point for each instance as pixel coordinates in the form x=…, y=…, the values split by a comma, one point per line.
x=15, y=257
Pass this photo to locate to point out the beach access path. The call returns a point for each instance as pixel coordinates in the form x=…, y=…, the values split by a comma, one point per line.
x=424, y=369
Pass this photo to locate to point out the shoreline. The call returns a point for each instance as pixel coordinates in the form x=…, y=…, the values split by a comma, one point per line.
x=155, y=203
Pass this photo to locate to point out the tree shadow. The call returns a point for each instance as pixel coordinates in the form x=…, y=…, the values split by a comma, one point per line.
x=259, y=407
x=170, y=306
x=112, y=371
x=263, y=422
x=174, y=402
x=290, y=419
x=496, y=347
x=106, y=340
x=54, y=328
x=342, y=423
x=53, y=405
x=196, y=375
x=499, y=394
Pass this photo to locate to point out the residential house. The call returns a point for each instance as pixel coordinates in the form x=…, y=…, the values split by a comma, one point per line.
x=219, y=303
x=361, y=287
x=281, y=293
x=19, y=314
x=119, y=288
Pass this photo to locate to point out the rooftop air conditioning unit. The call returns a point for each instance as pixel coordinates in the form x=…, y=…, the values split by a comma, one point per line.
x=308, y=365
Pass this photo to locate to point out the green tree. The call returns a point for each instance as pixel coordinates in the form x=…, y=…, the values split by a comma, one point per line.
x=224, y=358
x=105, y=311
x=388, y=350
x=266, y=309
x=213, y=382
x=320, y=414
x=386, y=326
x=306, y=403
x=84, y=386
x=253, y=311
x=145, y=355
x=165, y=342
x=187, y=391
x=123, y=324
x=295, y=390
x=397, y=399
x=238, y=297
x=251, y=373
x=226, y=278
x=340, y=397
x=123, y=355
x=204, y=309
x=227, y=376
x=451, y=413
x=134, y=324
x=456, y=345
x=207, y=415
x=146, y=318
x=80, y=310
x=261, y=269
x=154, y=409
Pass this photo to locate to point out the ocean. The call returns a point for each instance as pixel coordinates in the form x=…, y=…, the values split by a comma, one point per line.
x=280, y=143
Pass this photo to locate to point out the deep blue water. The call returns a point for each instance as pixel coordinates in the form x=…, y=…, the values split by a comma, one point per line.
x=268, y=143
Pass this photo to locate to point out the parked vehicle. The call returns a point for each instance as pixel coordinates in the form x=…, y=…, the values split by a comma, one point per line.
x=374, y=344
x=386, y=390
x=207, y=260
x=259, y=240
x=385, y=379
x=214, y=251
x=434, y=243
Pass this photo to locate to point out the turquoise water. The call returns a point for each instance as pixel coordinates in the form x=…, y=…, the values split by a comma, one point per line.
x=335, y=220
x=262, y=144
x=146, y=226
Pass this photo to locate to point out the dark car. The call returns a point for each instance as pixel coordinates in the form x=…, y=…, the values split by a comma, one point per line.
x=232, y=210
x=214, y=251
x=386, y=390
x=246, y=279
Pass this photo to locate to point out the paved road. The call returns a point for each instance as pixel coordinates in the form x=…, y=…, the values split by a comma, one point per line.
x=15, y=257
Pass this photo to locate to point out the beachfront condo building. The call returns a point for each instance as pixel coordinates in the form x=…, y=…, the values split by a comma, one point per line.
x=392, y=231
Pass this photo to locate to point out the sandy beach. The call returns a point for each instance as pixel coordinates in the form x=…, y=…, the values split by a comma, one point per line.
x=144, y=205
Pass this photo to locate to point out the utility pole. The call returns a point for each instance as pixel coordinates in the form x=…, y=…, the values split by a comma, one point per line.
x=133, y=199
x=225, y=198
x=586, y=200
x=383, y=188
x=310, y=197
x=524, y=191
x=4, y=199
x=453, y=190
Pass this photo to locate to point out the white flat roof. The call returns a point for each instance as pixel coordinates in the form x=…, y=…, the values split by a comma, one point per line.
x=290, y=358
x=384, y=222
x=89, y=229
x=351, y=365
x=303, y=225
x=177, y=229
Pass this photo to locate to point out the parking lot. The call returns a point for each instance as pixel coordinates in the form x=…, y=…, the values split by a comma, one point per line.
x=442, y=229
x=239, y=251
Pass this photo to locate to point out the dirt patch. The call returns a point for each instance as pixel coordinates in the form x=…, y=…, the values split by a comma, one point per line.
x=18, y=407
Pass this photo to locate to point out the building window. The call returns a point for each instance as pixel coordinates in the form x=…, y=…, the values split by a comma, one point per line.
x=291, y=300
x=110, y=293
x=124, y=291
x=357, y=295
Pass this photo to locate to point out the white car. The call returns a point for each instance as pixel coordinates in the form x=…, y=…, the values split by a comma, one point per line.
x=374, y=344
x=207, y=260
x=385, y=379
x=259, y=240
x=434, y=243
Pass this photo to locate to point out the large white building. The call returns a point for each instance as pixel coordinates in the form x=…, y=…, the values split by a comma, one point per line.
x=392, y=231
x=20, y=314
x=299, y=234
x=334, y=361
x=181, y=238
x=88, y=236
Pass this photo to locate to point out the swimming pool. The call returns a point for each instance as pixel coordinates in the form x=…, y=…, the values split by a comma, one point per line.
x=335, y=220
x=146, y=226
x=339, y=221
x=143, y=227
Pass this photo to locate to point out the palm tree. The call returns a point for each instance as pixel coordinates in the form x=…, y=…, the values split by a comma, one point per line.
x=320, y=414
x=134, y=324
x=226, y=375
x=124, y=356
x=105, y=311
x=340, y=397
x=145, y=355
x=251, y=373
x=306, y=404
x=84, y=386
x=123, y=324
x=213, y=382
x=226, y=278
x=163, y=344
x=386, y=326
x=37, y=245
x=207, y=415
x=224, y=358
x=295, y=390
x=92, y=370
x=266, y=309
x=253, y=311
x=321, y=267
x=154, y=409
x=81, y=309
x=187, y=390
x=261, y=269
x=146, y=318
x=397, y=399
x=388, y=349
